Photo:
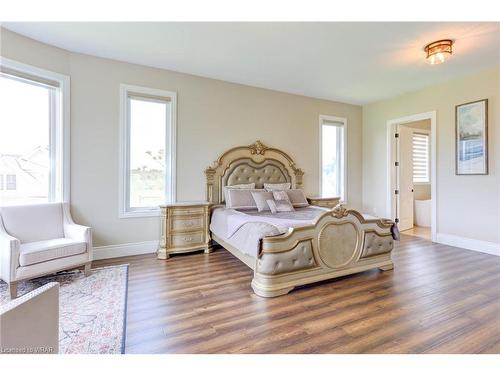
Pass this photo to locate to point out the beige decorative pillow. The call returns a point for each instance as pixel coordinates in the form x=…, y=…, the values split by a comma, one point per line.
x=297, y=197
x=260, y=198
x=282, y=186
x=241, y=198
x=279, y=206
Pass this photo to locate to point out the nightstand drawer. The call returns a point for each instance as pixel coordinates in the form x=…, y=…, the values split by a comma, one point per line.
x=188, y=211
x=187, y=239
x=187, y=223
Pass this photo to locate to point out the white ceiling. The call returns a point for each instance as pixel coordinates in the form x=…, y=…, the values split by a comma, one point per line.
x=349, y=62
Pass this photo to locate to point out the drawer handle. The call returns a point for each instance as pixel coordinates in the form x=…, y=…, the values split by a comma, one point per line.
x=188, y=239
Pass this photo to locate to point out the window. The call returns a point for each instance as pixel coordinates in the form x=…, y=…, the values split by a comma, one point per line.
x=10, y=182
x=33, y=120
x=420, y=144
x=148, y=150
x=332, y=157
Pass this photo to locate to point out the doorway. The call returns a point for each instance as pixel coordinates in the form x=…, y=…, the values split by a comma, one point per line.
x=411, y=201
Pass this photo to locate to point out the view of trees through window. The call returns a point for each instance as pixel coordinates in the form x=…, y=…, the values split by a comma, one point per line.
x=24, y=142
x=331, y=161
x=147, y=152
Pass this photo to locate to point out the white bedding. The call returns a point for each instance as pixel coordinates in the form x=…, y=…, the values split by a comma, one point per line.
x=244, y=229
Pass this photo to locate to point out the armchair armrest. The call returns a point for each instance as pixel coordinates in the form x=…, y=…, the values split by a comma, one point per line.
x=30, y=323
x=9, y=254
x=77, y=232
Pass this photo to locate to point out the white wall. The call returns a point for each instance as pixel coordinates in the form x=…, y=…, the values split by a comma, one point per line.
x=468, y=206
x=212, y=117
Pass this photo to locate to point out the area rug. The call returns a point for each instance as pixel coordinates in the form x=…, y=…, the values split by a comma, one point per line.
x=92, y=310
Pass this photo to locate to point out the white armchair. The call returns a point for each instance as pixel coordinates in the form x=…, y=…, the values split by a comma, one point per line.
x=37, y=240
x=30, y=324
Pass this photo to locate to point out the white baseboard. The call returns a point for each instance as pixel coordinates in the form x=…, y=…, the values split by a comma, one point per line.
x=124, y=250
x=469, y=243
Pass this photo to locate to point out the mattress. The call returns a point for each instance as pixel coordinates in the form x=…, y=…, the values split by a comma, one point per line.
x=244, y=229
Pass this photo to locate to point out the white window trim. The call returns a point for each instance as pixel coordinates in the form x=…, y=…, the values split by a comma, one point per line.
x=170, y=165
x=424, y=131
x=62, y=126
x=343, y=120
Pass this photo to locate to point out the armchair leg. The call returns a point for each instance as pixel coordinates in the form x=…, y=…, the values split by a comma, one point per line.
x=13, y=289
x=86, y=269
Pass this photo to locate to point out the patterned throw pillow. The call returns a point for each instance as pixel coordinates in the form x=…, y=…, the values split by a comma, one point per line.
x=279, y=206
x=281, y=195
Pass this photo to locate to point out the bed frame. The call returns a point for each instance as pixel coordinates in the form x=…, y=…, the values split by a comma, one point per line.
x=340, y=242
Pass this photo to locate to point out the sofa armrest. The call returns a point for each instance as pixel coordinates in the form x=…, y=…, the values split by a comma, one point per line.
x=9, y=254
x=30, y=323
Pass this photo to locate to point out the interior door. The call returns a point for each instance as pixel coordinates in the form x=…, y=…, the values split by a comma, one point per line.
x=405, y=178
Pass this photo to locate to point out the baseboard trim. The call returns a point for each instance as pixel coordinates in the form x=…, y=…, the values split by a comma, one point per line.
x=124, y=250
x=469, y=243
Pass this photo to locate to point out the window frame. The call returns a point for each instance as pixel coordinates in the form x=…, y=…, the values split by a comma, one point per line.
x=428, y=134
x=124, y=210
x=59, y=137
x=323, y=120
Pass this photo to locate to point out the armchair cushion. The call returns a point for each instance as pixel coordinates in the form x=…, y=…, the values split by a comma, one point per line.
x=43, y=251
x=36, y=222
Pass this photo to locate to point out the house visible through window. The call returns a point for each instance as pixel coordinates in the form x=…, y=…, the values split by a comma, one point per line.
x=31, y=149
x=332, y=157
x=420, y=144
x=148, y=144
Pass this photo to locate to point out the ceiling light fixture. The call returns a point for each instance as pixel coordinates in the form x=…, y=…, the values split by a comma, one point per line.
x=439, y=51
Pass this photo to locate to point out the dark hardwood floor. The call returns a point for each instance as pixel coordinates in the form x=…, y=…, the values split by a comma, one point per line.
x=438, y=299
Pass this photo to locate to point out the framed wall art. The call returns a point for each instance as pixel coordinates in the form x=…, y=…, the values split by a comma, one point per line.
x=471, y=122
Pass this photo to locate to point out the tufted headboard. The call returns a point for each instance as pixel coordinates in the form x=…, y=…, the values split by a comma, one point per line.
x=254, y=163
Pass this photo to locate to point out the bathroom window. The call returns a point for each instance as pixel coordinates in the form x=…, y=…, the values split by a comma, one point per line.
x=420, y=144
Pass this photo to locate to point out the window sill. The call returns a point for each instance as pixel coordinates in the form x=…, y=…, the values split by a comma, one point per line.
x=138, y=214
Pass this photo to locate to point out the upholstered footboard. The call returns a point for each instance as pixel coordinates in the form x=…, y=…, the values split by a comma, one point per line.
x=341, y=242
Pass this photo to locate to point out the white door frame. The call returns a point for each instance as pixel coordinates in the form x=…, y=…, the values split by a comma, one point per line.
x=391, y=170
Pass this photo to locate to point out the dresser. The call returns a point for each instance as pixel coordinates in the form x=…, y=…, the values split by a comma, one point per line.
x=324, y=202
x=184, y=228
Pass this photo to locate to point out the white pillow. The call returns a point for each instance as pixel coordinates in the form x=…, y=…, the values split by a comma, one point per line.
x=279, y=206
x=272, y=187
x=241, y=198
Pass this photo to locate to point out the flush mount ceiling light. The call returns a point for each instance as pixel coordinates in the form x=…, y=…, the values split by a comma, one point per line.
x=439, y=51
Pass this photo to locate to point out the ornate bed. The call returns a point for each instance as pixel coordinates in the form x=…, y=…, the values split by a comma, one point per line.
x=339, y=242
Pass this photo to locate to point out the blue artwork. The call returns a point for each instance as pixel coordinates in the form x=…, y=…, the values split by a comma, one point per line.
x=472, y=138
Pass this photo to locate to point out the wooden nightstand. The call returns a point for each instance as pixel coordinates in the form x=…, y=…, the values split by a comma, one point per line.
x=184, y=228
x=324, y=202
